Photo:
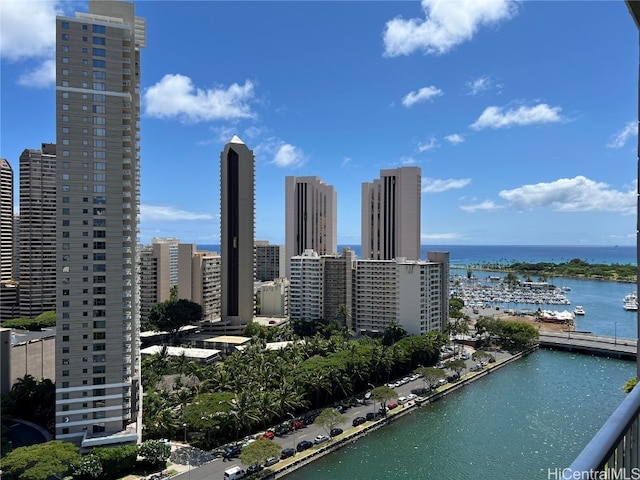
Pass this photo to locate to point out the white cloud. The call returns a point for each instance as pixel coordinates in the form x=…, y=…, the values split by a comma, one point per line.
x=28, y=29
x=619, y=139
x=169, y=213
x=578, y=194
x=282, y=154
x=175, y=96
x=497, y=117
x=487, y=205
x=424, y=147
x=421, y=95
x=345, y=161
x=42, y=77
x=446, y=24
x=433, y=185
x=408, y=161
x=479, y=85
x=454, y=138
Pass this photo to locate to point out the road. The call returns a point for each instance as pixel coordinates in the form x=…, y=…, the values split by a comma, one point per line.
x=215, y=469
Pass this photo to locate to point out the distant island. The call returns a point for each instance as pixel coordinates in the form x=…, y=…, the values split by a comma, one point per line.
x=576, y=268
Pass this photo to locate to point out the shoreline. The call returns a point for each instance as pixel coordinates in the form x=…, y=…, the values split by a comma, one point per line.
x=507, y=270
x=355, y=433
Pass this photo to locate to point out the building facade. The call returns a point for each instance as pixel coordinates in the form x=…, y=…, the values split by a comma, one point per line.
x=391, y=215
x=412, y=293
x=6, y=221
x=305, y=289
x=337, y=279
x=98, y=394
x=37, y=231
x=274, y=298
x=237, y=202
x=270, y=261
x=310, y=217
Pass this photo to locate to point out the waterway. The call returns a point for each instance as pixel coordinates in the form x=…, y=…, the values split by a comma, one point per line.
x=516, y=423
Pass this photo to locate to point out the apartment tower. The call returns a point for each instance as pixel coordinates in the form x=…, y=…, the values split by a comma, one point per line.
x=37, y=231
x=98, y=398
x=310, y=217
x=391, y=215
x=6, y=221
x=237, y=184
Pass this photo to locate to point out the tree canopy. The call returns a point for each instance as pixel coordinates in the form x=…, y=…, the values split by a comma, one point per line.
x=329, y=418
x=38, y=462
x=256, y=453
x=171, y=315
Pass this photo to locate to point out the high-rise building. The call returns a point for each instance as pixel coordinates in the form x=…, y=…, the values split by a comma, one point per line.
x=337, y=278
x=200, y=282
x=6, y=221
x=98, y=398
x=274, y=298
x=270, y=261
x=391, y=215
x=305, y=287
x=412, y=293
x=37, y=232
x=310, y=217
x=237, y=184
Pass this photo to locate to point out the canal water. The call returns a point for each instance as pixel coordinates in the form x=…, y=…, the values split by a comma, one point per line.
x=516, y=423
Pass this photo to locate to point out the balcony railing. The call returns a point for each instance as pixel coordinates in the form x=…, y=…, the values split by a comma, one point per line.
x=615, y=449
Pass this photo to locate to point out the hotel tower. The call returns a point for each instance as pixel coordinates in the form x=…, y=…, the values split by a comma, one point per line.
x=310, y=218
x=237, y=184
x=391, y=215
x=98, y=398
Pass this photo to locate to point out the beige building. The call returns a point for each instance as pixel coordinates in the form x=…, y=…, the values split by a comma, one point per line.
x=6, y=221
x=337, y=280
x=412, y=293
x=237, y=199
x=310, y=217
x=201, y=282
x=274, y=298
x=391, y=215
x=37, y=233
x=270, y=261
x=98, y=393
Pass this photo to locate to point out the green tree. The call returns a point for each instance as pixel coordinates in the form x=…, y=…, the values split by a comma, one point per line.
x=37, y=462
x=155, y=451
x=457, y=365
x=430, y=376
x=329, y=418
x=481, y=355
x=116, y=460
x=256, y=453
x=630, y=385
x=171, y=315
x=383, y=394
x=87, y=466
x=33, y=399
x=392, y=333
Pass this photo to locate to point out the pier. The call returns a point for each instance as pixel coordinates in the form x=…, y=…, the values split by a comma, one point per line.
x=623, y=348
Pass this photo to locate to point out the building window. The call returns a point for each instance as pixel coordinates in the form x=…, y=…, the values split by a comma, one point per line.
x=65, y=59
x=99, y=41
x=65, y=36
x=65, y=71
x=99, y=29
x=65, y=25
x=65, y=338
x=99, y=52
x=65, y=373
x=99, y=63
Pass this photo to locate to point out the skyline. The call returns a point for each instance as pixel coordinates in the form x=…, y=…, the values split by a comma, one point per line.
x=522, y=120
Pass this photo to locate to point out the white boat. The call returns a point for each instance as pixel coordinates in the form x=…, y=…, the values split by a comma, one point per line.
x=630, y=301
x=578, y=310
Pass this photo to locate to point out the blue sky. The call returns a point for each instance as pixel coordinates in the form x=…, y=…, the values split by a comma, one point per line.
x=521, y=115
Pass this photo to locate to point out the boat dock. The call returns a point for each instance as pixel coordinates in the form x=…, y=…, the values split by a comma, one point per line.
x=623, y=348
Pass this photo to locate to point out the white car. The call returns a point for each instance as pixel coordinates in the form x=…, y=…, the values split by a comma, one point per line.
x=320, y=439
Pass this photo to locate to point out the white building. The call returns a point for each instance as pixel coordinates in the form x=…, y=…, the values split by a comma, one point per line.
x=412, y=293
x=274, y=298
x=306, y=286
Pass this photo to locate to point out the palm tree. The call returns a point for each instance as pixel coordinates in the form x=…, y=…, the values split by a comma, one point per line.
x=244, y=411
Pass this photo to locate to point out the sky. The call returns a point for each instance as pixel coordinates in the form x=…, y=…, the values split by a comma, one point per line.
x=521, y=115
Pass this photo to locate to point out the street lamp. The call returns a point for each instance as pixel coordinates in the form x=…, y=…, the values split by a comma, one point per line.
x=185, y=432
x=293, y=425
x=189, y=453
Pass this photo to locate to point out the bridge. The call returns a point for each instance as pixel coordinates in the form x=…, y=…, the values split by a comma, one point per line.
x=582, y=342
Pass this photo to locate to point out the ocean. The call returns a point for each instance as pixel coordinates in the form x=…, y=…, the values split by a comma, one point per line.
x=478, y=254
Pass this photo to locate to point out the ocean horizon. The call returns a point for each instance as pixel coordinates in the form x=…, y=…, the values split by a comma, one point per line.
x=478, y=254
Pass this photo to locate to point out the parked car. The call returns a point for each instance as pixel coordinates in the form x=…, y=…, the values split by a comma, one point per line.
x=453, y=376
x=281, y=430
x=303, y=445
x=370, y=416
x=391, y=405
x=335, y=432
x=297, y=425
x=232, y=451
x=255, y=468
x=320, y=439
x=419, y=391
x=271, y=461
x=358, y=421
x=269, y=435
x=402, y=400
x=286, y=453
x=442, y=381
